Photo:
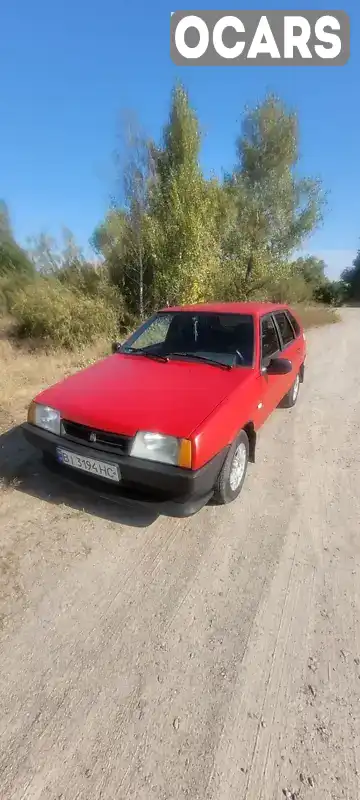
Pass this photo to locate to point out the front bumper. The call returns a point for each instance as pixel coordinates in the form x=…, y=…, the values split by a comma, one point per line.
x=173, y=490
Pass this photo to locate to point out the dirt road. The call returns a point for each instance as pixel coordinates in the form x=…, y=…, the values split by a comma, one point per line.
x=216, y=658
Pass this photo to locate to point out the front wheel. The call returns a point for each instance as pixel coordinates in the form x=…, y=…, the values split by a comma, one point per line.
x=232, y=475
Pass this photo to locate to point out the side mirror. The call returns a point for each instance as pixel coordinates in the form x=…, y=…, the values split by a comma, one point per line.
x=115, y=347
x=278, y=366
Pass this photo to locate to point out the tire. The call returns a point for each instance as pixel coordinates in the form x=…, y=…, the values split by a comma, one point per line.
x=48, y=460
x=292, y=395
x=229, y=485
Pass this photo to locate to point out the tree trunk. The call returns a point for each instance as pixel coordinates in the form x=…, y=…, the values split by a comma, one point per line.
x=141, y=270
x=249, y=268
x=141, y=286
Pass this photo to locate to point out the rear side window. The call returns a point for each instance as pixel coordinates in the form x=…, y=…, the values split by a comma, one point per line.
x=269, y=338
x=286, y=331
x=294, y=323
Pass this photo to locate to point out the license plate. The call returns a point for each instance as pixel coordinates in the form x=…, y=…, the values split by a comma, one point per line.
x=101, y=469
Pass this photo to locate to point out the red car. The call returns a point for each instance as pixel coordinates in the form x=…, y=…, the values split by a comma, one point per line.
x=172, y=415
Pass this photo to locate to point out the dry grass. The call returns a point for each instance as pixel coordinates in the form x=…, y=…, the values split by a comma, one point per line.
x=9, y=484
x=28, y=369
x=314, y=316
x=25, y=372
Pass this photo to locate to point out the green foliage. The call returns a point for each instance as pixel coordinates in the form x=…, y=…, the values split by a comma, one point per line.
x=183, y=223
x=16, y=269
x=50, y=257
x=13, y=259
x=5, y=222
x=127, y=260
x=275, y=210
x=10, y=285
x=332, y=293
x=351, y=279
x=312, y=269
x=69, y=302
x=61, y=316
x=44, y=254
x=290, y=289
x=122, y=238
x=192, y=239
x=173, y=236
x=90, y=279
x=163, y=245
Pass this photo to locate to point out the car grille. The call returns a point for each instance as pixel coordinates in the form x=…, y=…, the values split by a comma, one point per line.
x=110, y=441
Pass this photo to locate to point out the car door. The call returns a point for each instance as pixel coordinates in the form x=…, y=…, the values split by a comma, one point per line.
x=270, y=386
x=299, y=337
x=291, y=346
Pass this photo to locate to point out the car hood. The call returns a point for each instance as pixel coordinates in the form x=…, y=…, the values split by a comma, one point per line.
x=125, y=393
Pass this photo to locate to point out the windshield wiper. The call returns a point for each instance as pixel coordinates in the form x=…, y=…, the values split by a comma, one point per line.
x=137, y=351
x=211, y=361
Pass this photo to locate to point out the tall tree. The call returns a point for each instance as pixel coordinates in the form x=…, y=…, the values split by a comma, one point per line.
x=121, y=239
x=44, y=252
x=50, y=256
x=312, y=269
x=184, y=211
x=138, y=175
x=276, y=210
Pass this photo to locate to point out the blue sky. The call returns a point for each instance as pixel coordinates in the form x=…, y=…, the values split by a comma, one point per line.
x=67, y=71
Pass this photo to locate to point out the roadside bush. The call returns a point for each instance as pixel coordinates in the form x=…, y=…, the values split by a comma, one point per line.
x=332, y=293
x=13, y=259
x=290, y=289
x=10, y=285
x=63, y=317
x=87, y=278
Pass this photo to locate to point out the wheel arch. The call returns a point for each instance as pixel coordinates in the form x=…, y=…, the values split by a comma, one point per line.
x=250, y=431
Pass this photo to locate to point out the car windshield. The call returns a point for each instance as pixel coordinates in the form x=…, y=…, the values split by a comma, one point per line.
x=226, y=339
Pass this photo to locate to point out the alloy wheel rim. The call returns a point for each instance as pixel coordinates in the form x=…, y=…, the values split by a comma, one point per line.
x=237, y=467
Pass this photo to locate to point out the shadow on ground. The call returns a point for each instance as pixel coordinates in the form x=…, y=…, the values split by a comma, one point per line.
x=21, y=467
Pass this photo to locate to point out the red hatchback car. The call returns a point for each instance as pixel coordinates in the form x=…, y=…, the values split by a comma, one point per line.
x=171, y=416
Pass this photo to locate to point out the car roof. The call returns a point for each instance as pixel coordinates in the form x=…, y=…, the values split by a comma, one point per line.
x=255, y=309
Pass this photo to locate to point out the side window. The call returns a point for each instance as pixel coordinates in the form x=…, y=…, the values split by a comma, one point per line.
x=294, y=323
x=286, y=331
x=269, y=339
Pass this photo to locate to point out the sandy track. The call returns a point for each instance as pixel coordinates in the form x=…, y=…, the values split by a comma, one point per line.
x=216, y=658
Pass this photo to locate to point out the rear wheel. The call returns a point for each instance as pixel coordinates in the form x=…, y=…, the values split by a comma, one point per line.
x=232, y=475
x=292, y=395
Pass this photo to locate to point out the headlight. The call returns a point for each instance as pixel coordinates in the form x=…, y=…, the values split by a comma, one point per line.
x=44, y=417
x=166, y=449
